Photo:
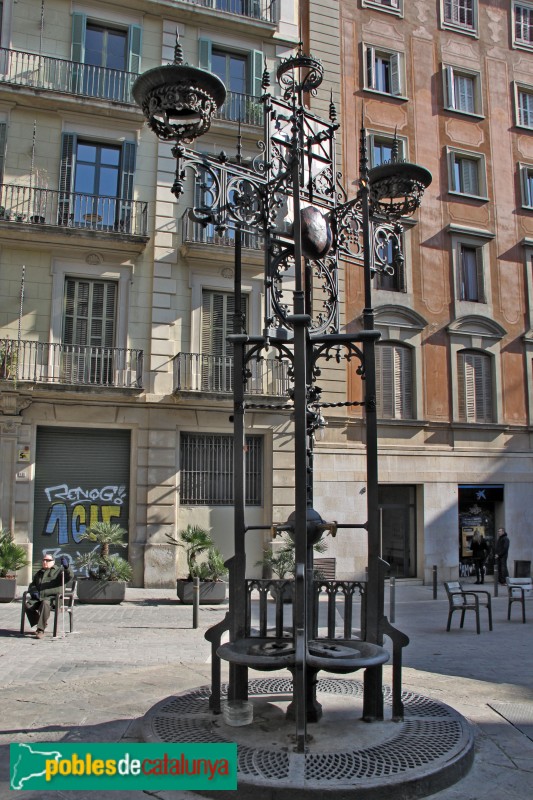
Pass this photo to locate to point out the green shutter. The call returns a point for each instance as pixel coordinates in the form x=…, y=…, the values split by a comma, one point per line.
x=395, y=74
x=449, y=87
x=205, y=48
x=3, y=135
x=134, y=48
x=66, y=176
x=256, y=61
x=79, y=26
x=127, y=175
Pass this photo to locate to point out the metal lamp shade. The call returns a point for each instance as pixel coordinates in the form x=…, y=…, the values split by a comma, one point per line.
x=396, y=188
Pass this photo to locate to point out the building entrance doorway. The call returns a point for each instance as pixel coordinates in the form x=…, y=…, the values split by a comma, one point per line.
x=478, y=512
x=398, y=529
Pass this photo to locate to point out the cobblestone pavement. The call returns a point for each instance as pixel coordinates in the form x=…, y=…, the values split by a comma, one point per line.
x=95, y=684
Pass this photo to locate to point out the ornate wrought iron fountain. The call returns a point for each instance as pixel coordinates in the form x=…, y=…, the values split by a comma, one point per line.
x=291, y=194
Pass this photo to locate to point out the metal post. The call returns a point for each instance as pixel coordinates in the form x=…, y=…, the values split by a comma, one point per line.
x=435, y=584
x=495, y=577
x=195, y=602
x=392, y=600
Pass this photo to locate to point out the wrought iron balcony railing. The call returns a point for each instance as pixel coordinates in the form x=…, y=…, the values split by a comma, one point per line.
x=196, y=233
x=70, y=364
x=36, y=71
x=73, y=210
x=244, y=108
x=197, y=372
x=264, y=10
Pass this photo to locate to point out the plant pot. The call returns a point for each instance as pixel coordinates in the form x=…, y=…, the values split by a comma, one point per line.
x=8, y=588
x=211, y=592
x=37, y=218
x=101, y=592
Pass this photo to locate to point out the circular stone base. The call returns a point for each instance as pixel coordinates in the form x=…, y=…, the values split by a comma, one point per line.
x=430, y=749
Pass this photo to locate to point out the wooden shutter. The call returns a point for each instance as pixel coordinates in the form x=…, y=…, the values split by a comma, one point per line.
x=66, y=176
x=449, y=87
x=218, y=309
x=469, y=176
x=474, y=372
x=127, y=174
x=395, y=73
x=370, y=68
x=394, y=381
x=3, y=136
x=205, y=49
x=465, y=92
x=89, y=331
x=256, y=62
x=79, y=28
x=134, y=48
x=384, y=381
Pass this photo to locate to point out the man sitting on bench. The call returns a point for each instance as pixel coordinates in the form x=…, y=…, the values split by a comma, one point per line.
x=46, y=584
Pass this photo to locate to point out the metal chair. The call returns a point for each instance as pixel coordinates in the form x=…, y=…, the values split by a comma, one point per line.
x=463, y=600
x=57, y=603
x=518, y=590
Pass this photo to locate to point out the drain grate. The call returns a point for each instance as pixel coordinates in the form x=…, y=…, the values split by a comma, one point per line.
x=432, y=738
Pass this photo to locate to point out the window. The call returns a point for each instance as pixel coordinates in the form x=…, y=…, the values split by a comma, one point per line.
x=384, y=71
x=471, y=274
x=523, y=24
x=385, y=5
x=387, y=252
x=89, y=331
x=96, y=184
x=394, y=381
x=206, y=466
x=241, y=73
x=467, y=174
x=474, y=379
x=106, y=54
x=526, y=184
x=462, y=90
x=460, y=14
x=218, y=309
x=524, y=107
x=380, y=147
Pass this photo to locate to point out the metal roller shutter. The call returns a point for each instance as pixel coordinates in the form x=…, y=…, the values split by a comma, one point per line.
x=82, y=476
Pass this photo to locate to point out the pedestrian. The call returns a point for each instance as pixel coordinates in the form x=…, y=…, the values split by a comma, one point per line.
x=47, y=583
x=480, y=551
x=500, y=552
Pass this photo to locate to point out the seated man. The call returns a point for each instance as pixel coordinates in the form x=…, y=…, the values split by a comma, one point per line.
x=46, y=583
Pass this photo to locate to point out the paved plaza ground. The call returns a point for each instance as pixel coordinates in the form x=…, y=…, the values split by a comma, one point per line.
x=96, y=683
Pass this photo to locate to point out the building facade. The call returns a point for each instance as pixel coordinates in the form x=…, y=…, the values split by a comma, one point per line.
x=453, y=80
x=115, y=374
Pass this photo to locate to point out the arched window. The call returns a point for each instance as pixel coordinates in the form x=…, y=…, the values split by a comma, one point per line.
x=394, y=381
x=474, y=382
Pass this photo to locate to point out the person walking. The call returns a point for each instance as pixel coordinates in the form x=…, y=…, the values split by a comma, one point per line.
x=480, y=551
x=501, y=551
x=47, y=583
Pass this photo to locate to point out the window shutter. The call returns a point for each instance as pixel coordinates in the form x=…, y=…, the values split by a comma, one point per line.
x=370, y=68
x=134, y=48
x=479, y=276
x=403, y=382
x=469, y=176
x=395, y=70
x=205, y=48
x=79, y=26
x=385, y=381
x=66, y=175
x=449, y=87
x=526, y=184
x=465, y=92
x=3, y=134
x=256, y=62
x=127, y=169
x=475, y=387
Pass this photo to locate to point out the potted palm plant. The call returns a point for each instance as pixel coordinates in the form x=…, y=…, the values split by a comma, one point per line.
x=281, y=562
x=107, y=573
x=12, y=558
x=210, y=568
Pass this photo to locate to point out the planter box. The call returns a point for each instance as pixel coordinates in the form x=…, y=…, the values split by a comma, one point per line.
x=211, y=592
x=101, y=592
x=8, y=588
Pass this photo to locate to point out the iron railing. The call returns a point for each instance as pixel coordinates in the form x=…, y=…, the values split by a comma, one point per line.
x=73, y=210
x=244, y=108
x=264, y=10
x=197, y=372
x=196, y=233
x=70, y=364
x=36, y=71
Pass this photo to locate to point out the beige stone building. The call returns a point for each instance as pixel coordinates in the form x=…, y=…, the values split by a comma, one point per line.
x=115, y=376
x=454, y=79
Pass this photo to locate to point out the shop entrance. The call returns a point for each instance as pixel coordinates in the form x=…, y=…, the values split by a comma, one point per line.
x=478, y=508
x=398, y=529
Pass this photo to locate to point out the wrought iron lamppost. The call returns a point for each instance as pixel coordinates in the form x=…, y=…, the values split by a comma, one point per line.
x=294, y=170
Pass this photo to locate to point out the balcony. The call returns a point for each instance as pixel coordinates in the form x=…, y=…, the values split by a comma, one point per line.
x=243, y=108
x=197, y=372
x=262, y=10
x=70, y=364
x=26, y=204
x=196, y=233
x=35, y=71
